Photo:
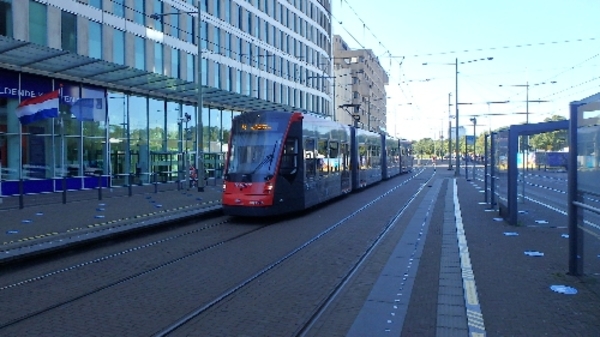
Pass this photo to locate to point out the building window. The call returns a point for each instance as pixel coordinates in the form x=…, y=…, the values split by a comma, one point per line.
x=204, y=72
x=175, y=25
x=217, y=13
x=229, y=84
x=158, y=9
x=190, y=67
x=158, y=58
x=175, y=63
x=119, y=46
x=228, y=45
x=140, y=53
x=189, y=29
x=205, y=35
x=217, y=40
x=217, y=76
x=96, y=3
x=38, y=23
x=6, y=19
x=119, y=8
x=95, y=43
x=139, y=10
x=68, y=32
x=228, y=11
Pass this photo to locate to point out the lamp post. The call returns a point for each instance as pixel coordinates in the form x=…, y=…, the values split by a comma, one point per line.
x=525, y=143
x=457, y=171
x=199, y=97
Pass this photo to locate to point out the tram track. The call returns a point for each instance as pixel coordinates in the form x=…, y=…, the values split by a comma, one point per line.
x=209, y=299
x=72, y=268
x=333, y=293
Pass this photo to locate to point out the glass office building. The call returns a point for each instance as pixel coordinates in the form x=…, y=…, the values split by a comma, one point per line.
x=127, y=73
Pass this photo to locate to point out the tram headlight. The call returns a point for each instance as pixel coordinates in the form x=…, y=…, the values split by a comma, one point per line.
x=268, y=188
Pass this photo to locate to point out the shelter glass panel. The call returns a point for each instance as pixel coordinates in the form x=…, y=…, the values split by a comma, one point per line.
x=501, y=169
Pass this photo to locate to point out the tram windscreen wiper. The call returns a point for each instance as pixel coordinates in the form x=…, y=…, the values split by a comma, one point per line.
x=267, y=159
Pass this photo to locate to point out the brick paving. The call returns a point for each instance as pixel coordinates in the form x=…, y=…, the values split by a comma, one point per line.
x=513, y=289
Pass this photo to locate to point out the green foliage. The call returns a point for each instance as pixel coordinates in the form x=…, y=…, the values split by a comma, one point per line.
x=550, y=141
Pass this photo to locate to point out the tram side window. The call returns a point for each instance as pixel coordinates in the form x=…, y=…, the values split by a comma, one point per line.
x=334, y=156
x=376, y=156
x=289, y=161
x=322, y=157
x=310, y=157
x=362, y=153
x=345, y=155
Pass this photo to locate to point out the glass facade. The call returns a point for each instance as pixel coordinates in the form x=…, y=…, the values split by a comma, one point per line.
x=139, y=138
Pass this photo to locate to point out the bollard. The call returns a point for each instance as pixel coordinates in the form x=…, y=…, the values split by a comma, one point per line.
x=21, y=201
x=155, y=183
x=64, y=188
x=130, y=183
x=99, y=187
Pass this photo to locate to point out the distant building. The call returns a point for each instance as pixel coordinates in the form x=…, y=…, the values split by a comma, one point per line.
x=462, y=131
x=361, y=80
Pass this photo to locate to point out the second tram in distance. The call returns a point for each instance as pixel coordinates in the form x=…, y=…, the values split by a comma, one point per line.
x=280, y=162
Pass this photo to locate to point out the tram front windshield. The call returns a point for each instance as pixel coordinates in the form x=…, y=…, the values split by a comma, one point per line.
x=254, y=150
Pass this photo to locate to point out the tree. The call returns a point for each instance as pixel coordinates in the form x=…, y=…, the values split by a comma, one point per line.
x=550, y=141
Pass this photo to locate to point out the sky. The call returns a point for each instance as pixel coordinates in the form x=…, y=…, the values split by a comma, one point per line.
x=540, y=50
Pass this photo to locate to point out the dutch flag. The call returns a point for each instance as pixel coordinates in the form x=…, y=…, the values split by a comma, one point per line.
x=38, y=108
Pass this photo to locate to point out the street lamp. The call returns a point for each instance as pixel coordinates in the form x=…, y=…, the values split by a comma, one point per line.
x=457, y=172
x=527, y=101
x=525, y=142
x=199, y=126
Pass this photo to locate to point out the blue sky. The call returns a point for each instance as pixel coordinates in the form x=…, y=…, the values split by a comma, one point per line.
x=531, y=41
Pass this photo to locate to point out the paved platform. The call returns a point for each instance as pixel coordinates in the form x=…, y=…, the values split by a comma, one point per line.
x=473, y=278
x=45, y=223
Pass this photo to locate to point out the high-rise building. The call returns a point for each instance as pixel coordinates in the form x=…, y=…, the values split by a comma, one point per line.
x=127, y=72
x=360, y=86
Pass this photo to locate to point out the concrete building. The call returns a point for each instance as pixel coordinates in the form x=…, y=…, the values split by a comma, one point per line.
x=127, y=72
x=360, y=81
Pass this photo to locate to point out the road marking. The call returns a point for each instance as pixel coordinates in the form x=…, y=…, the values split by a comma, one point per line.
x=474, y=315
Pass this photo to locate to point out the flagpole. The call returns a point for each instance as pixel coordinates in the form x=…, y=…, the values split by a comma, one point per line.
x=20, y=136
x=61, y=121
x=21, y=201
